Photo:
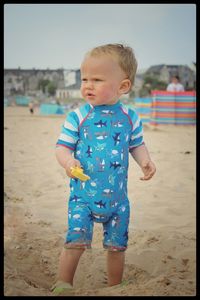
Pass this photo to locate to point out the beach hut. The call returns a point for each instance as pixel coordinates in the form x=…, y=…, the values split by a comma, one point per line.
x=177, y=108
x=51, y=109
x=22, y=100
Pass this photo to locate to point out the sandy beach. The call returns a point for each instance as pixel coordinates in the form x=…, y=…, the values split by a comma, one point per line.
x=161, y=254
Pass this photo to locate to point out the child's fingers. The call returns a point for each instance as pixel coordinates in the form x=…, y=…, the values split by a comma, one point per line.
x=68, y=172
x=148, y=176
x=77, y=163
x=71, y=164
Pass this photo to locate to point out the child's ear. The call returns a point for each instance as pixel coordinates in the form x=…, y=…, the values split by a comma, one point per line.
x=125, y=86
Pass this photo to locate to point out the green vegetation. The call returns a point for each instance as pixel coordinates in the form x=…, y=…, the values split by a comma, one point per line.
x=47, y=86
x=151, y=83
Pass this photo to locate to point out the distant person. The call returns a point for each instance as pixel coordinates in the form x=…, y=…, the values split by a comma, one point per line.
x=99, y=136
x=175, y=85
x=31, y=107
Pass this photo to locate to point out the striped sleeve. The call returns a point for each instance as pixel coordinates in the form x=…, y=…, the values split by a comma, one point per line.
x=136, y=138
x=69, y=135
x=69, y=132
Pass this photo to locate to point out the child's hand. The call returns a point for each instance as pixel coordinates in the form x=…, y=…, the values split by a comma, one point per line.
x=72, y=162
x=148, y=169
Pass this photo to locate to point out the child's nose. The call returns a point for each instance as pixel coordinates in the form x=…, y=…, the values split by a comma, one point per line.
x=89, y=84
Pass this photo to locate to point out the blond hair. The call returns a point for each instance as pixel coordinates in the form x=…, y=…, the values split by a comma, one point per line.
x=125, y=57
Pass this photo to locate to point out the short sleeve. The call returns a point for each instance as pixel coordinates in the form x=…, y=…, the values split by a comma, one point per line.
x=69, y=132
x=136, y=138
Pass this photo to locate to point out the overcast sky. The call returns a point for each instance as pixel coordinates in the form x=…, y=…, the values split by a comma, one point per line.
x=58, y=35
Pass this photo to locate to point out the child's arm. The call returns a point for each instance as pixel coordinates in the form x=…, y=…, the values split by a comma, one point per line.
x=142, y=157
x=66, y=160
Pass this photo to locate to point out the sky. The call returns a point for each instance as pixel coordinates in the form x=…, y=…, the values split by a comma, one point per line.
x=56, y=36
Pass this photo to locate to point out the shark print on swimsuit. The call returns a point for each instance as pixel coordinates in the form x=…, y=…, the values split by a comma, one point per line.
x=117, y=138
x=89, y=151
x=101, y=124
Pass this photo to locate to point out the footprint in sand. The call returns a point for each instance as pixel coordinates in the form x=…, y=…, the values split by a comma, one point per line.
x=164, y=280
x=152, y=240
x=16, y=199
x=185, y=261
x=43, y=223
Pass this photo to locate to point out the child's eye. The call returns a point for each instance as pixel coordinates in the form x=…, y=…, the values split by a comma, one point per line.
x=83, y=79
x=97, y=79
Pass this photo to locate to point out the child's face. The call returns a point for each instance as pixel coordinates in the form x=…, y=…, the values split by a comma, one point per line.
x=101, y=80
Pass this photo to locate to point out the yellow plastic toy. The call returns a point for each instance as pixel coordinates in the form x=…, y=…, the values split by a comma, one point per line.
x=78, y=173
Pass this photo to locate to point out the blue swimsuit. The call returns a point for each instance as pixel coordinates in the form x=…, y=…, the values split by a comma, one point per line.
x=101, y=138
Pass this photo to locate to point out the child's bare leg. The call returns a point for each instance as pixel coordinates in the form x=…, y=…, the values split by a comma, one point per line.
x=115, y=267
x=69, y=259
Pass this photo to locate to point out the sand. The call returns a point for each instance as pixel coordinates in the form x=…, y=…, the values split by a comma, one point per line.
x=161, y=254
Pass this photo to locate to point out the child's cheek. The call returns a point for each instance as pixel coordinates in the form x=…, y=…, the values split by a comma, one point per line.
x=106, y=93
x=82, y=91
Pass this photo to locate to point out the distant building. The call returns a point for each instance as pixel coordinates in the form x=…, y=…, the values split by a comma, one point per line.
x=72, y=80
x=26, y=81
